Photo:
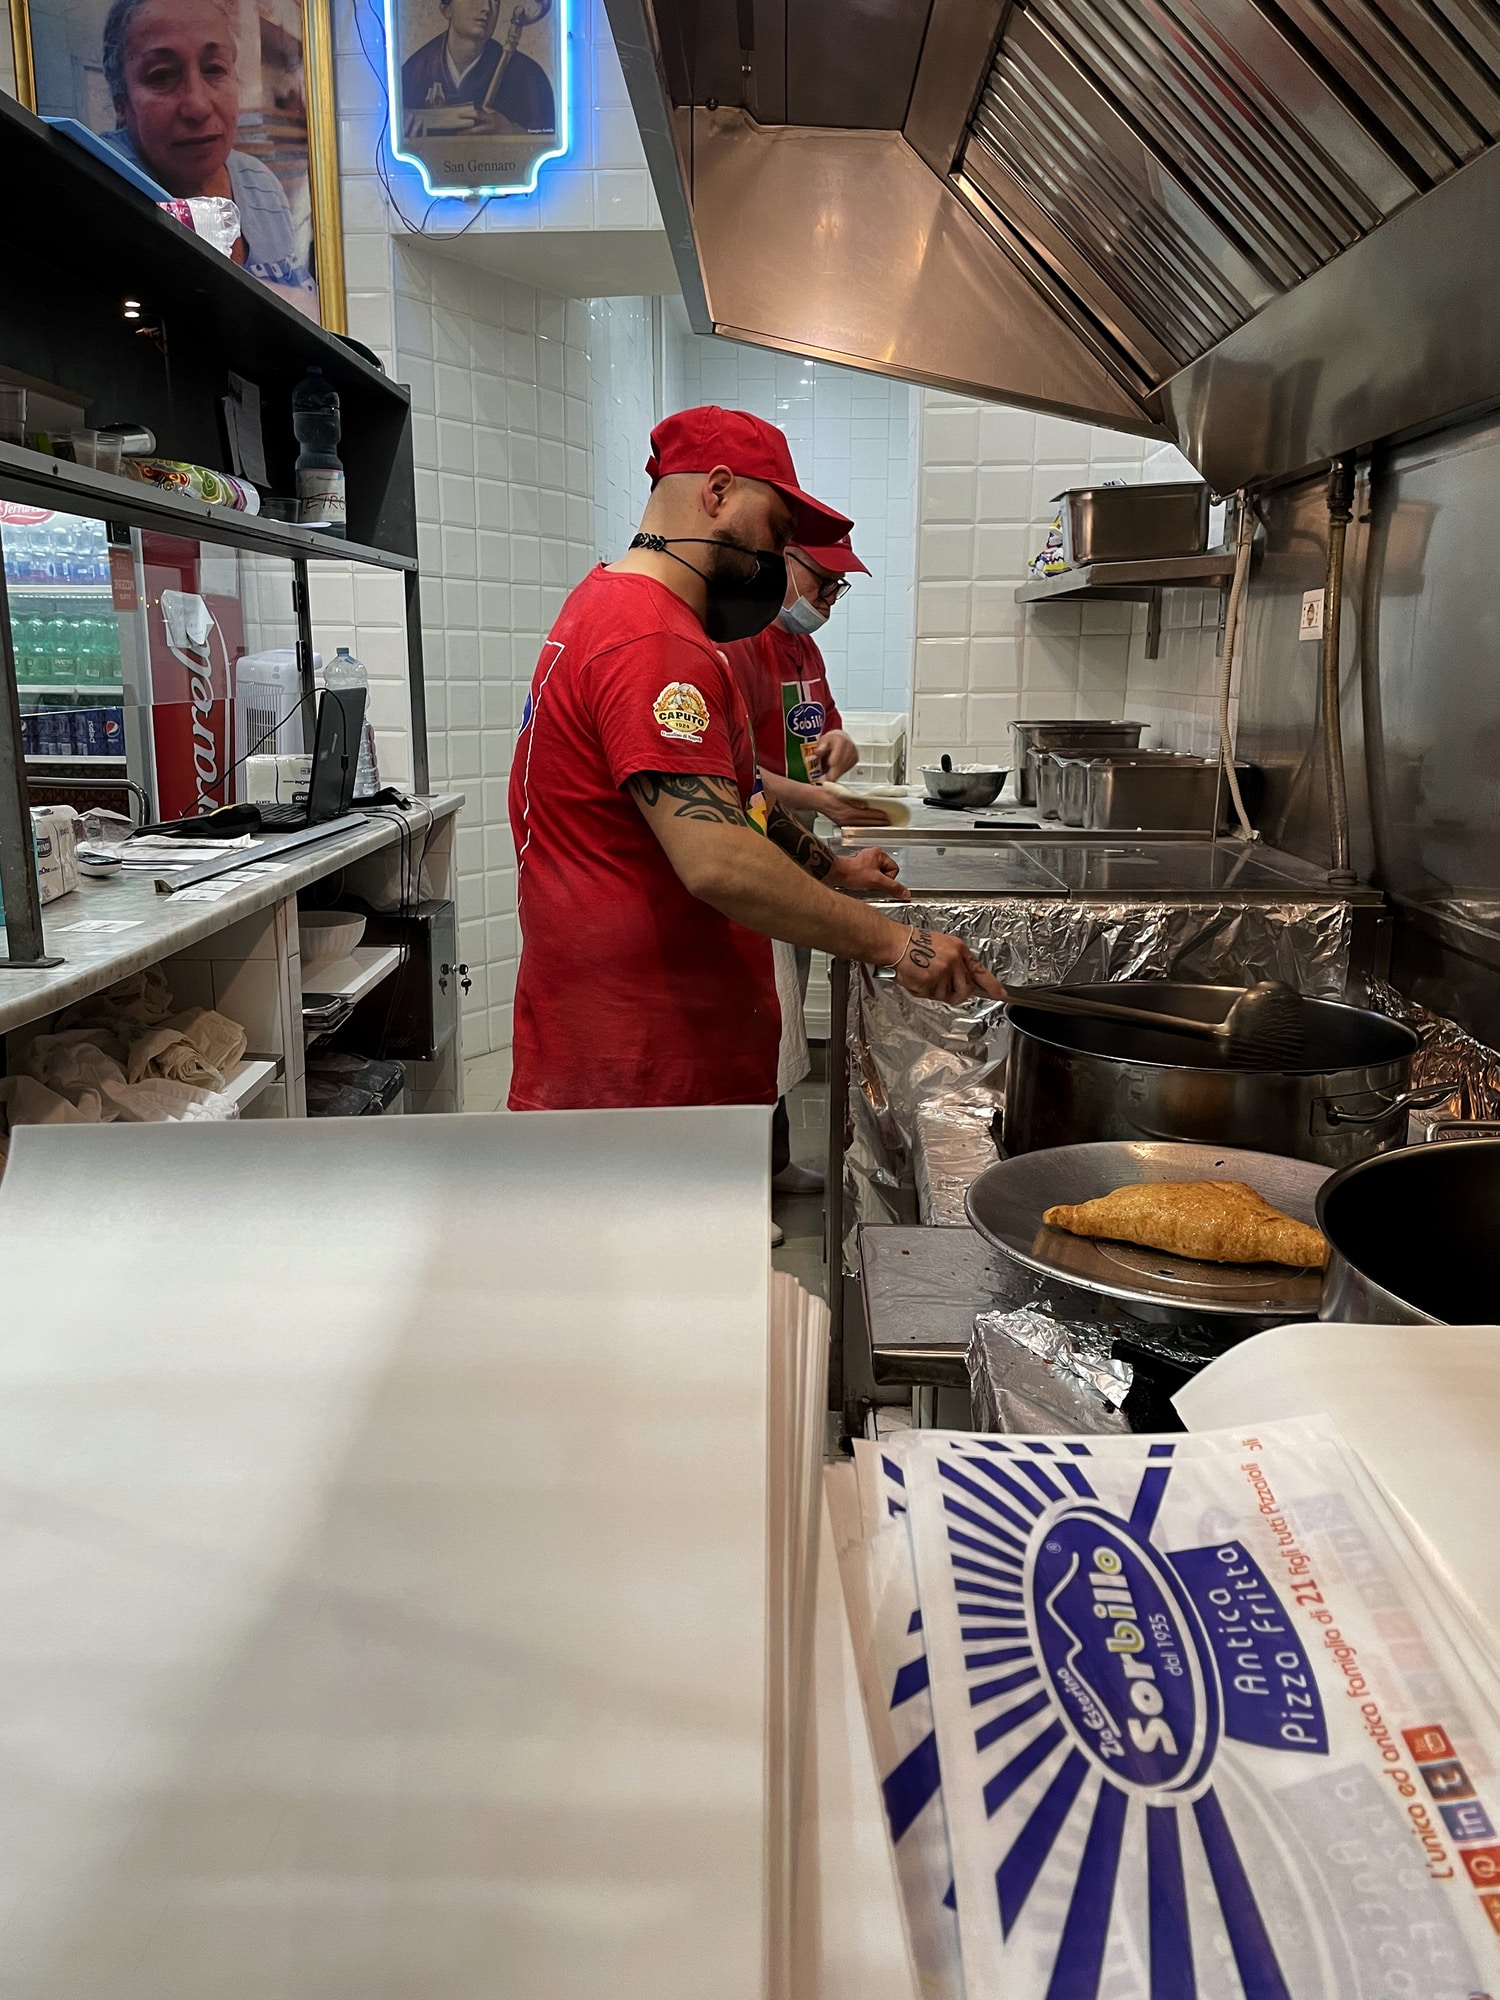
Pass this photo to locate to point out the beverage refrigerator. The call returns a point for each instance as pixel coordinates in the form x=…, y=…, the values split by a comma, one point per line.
x=126, y=645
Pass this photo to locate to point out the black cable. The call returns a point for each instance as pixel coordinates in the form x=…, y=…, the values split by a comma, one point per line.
x=377, y=70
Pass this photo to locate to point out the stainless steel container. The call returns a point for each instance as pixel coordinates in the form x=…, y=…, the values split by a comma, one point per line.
x=1133, y=523
x=1414, y=1238
x=1031, y=738
x=1185, y=794
x=1071, y=787
x=1070, y=1080
x=971, y=785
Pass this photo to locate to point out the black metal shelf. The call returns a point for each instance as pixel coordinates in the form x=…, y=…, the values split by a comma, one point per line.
x=77, y=243
x=40, y=481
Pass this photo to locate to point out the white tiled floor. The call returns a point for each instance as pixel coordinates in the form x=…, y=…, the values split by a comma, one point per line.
x=486, y=1081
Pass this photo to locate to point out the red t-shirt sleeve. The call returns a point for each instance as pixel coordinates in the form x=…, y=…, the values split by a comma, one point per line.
x=660, y=704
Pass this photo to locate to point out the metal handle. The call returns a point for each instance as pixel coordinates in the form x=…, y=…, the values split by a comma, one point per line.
x=1399, y=1100
x=1049, y=1002
x=1461, y=1128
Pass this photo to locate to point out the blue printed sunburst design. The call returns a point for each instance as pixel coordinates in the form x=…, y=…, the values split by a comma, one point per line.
x=1104, y=1677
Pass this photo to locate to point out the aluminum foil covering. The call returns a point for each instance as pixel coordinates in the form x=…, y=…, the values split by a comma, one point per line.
x=904, y=1053
x=1032, y=1374
x=1449, y=1054
x=954, y=1140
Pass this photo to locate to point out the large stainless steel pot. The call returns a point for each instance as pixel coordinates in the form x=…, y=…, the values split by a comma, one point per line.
x=1070, y=1080
x=1414, y=1238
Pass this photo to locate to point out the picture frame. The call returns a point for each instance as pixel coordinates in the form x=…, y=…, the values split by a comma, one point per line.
x=479, y=91
x=228, y=97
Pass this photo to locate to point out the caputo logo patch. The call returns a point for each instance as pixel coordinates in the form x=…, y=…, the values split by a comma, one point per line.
x=681, y=712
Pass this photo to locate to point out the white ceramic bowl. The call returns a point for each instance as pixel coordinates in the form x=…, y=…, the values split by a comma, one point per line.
x=328, y=934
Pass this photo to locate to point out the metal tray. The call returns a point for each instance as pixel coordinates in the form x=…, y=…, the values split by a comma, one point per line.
x=1005, y=1204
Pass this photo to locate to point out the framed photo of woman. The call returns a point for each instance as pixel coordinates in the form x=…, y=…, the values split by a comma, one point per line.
x=209, y=97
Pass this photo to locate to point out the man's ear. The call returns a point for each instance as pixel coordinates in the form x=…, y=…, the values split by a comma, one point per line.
x=715, y=490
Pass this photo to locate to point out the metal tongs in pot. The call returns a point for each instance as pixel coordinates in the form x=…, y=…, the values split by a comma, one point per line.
x=1264, y=1029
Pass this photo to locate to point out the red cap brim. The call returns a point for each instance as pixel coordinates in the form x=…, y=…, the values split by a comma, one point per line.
x=838, y=559
x=812, y=522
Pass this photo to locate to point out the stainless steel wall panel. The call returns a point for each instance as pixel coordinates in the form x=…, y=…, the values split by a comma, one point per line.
x=1420, y=702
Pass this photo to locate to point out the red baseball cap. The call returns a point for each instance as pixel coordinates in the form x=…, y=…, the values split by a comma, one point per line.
x=698, y=440
x=838, y=558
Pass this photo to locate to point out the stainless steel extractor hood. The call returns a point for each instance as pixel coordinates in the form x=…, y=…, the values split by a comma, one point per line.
x=1261, y=226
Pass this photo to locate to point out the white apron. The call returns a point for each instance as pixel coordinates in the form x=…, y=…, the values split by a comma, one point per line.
x=793, y=1061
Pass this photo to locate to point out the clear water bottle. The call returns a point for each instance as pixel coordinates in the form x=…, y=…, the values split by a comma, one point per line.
x=320, y=470
x=344, y=671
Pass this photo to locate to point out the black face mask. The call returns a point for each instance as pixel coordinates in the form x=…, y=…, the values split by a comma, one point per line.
x=738, y=605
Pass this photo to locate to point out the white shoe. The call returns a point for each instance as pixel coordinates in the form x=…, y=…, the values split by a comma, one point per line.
x=778, y=1236
x=797, y=1180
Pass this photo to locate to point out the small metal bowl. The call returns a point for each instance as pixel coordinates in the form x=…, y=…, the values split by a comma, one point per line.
x=966, y=784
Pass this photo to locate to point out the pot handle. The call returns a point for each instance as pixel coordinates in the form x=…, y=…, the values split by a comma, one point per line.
x=1462, y=1128
x=1398, y=1100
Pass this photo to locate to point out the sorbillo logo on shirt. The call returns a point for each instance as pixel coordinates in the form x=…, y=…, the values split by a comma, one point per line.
x=806, y=720
x=681, y=712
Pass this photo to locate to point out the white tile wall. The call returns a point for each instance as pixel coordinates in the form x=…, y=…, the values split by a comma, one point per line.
x=987, y=477
x=851, y=437
x=622, y=412
x=505, y=526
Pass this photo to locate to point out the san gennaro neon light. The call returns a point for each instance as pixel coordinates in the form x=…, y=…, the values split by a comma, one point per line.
x=470, y=161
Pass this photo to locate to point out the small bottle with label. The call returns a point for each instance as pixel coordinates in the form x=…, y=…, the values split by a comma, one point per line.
x=320, y=470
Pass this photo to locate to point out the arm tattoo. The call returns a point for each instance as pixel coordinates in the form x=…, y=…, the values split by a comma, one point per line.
x=711, y=799
x=921, y=951
x=804, y=848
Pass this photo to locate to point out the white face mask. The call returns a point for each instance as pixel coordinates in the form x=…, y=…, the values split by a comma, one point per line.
x=803, y=616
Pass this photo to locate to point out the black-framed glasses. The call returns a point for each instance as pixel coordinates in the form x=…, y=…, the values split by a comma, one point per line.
x=828, y=592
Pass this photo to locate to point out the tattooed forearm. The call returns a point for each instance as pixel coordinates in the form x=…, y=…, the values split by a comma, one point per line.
x=804, y=848
x=920, y=951
x=712, y=799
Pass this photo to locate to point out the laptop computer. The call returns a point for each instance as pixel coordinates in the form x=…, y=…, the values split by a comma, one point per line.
x=335, y=763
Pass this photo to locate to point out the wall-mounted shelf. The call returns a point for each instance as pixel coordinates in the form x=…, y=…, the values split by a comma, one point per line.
x=1133, y=583
x=32, y=477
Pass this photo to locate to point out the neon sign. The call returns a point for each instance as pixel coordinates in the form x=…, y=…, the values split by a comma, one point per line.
x=472, y=114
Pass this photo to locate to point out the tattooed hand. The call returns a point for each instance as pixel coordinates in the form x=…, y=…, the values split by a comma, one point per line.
x=934, y=966
x=868, y=871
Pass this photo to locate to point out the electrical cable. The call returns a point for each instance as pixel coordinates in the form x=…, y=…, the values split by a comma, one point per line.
x=1340, y=513
x=1234, y=621
x=377, y=70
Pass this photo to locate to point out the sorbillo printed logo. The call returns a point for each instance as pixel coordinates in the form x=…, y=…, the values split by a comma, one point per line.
x=806, y=720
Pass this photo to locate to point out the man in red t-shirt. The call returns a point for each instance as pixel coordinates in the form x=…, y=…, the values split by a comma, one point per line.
x=651, y=869
x=800, y=739
x=800, y=736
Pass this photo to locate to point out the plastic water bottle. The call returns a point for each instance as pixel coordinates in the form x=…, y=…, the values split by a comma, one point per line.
x=320, y=470
x=344, y=671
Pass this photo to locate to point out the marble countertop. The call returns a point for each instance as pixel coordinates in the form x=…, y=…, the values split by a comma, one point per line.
x=108, y=929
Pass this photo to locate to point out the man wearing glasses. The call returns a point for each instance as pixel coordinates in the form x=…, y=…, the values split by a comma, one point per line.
x=800, y=740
